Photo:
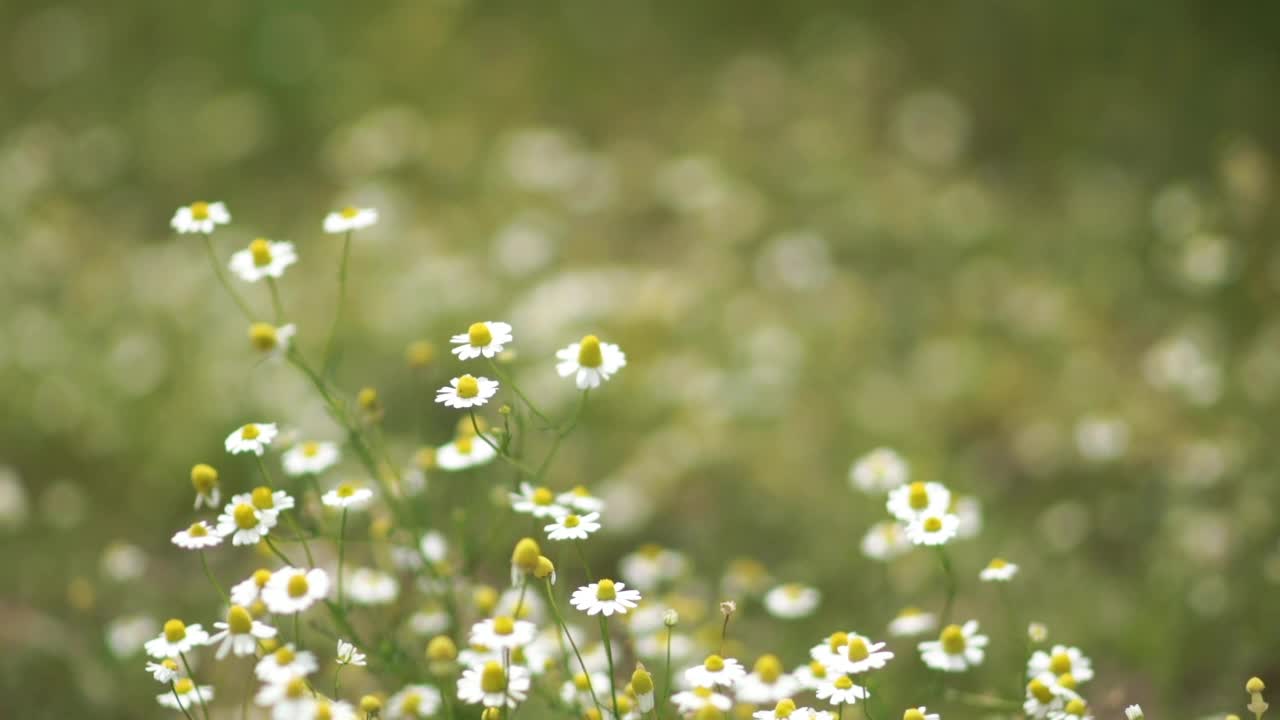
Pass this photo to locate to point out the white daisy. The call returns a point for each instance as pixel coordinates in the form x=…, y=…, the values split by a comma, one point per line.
x=715, y=670
x=998, y=570
x=429, y=621
x=861, y=654
x=465, y=451
x=347, y=654
x=911, y=622
x=785, y=709
x=254, y=438
x=578, y=690
x=291, y=590
x=246, y=592
x=367, y=586
x=482, y=338
x=792, y=600
x=197, y=537
x=691, y=701
x=204, y=478
x=414, y=701
x=932, y=529
x=909, y=501
x=165, y=671
x=1044, y=696
x=1061, y=660
x=829, y=651
x=263, y=259
x=267, y=501
x=880, y=470
x=434, y=547
x=200, y=217
x=969, y=510
x=328, y=710
x=1075, y=709
x=244, y=523
x=840, y=690
x=604, y=597
x=766, y=683
x=188, y=695
x=573, y=527
x=284, y=663
x=651, y=565
x=591, y=361
x=920, y=713
x=1134, y=712
x=310, y=458
x=347, y=496
x=467, y=391
x=502, y=632
x=176, y=638
x=538, y=502
x=288, y=697
x=811, y=676
x=272, y=340
x=885, y=541
x=349, y=218
x=488, y=685
x=581, y=500
x=240, y=633
x=956, y=649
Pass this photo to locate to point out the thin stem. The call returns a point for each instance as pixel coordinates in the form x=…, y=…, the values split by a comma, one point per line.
x=582, y=555
x=555, y=611
x=666, y=684
x=342, y=550
x=608, y=652
x=276, y=305
x=293, y=525
x=222, y=278
x=330, y=362
x=1015, y=629
x=337, y=670
x=951, y=585
x=506, y=380
x=204, y=562
x=505, y=457
x=173, y=687
x=195, y=684
x=520, y=602
x=283, y=558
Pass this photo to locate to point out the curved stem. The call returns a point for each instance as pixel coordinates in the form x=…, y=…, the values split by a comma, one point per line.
x=195, y=685
x=204, y=562
x=293, y=525
x=555, y=612
x=174, y=689
x=222, y=278
x=342, y=548
x=951, y=585
x=283, y=558
x=608, y=652
x=330, y=362
x=506, y=380
x=475, y=425
x=276, y=305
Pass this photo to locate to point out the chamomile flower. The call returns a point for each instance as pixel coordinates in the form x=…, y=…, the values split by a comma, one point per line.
x=812, y=675
x=998, y=570
x=784, y=709
x=246, y=592
x=580, y=500
x=465, y=451
x=185, y=695
x=414, y=701
x=911, y=622
x=271, y=340
x=347, y=654
x=1134, y=712
x=263, y=259
x=840, y=690
x=920, y=713
x=573, y=527
x=176, y=638
x=349, y=218
x=287, y=697
x=829, y=650
x=367, y=586
x=1061, y=660
x=467, y=391
x=909, y=501
x=1045, y=696
x=502, y=632
x=691, y=701
x=266, y=501
x=165, y=671
x=590, y=361
x=204, y=478
x=328, y=710
x=197, y=537
x=932, y=528
x=284, y=663
x=885, y=541
x=578, y=690
x=347, y=496
x=651, y=565
x=1075, y=709
x=861, y=654
x=292, y=590
x=482, y=338
x=244, y=523
x=766, y=683
x=240, y=633
x=957, y=649
x=539, y=502
x=254, y=438
x=310, y=458
x=880, y=470
x=715, y=670
x=605, y=597
x=791, y=601
x=488, y=685
x=200, y=217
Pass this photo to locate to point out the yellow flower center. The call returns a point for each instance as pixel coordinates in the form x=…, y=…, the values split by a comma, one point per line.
x=346, y=490
x=769, y=668
x=175, y=630
x=843, y=682
x=203, y=478
x=1075, y=707
x=998, y=564
x=918, y=496
x=1040, y=692
x=784, y=708
x=913, y=714
x=857, y=649
x=952, y=640
x=580, y=681
x=606, y=591
x=464, y=445
x=492, y=679
x=245, y=516
x=504, y=625
x=543, y=496
x=1067, y=680
x=932, y=524
x=1060, y=663
x=571, y=521
x=170, y=663
x=479, y=334
x=298, y=586
x=714, y=663
x=239, y=622
x=589, y=352
x=837, y=640
x=258, y=609
x=468, y=387
x=349, y=212
x=323, y=711
x=261, y=251
x=702, y=692
x=818, y=669
x=581, y=491
x=310, y=449
x=250, y=432
x=184, y=686
x=263, y=499
x=410, y=704
x=624, y=705
x=793, y=590
x=262, y=336
x=296, y=688
x=261, y=576
x=641, y=681
x=910, y=612
x=197, y=530
x=284, y=657
x=199, y=211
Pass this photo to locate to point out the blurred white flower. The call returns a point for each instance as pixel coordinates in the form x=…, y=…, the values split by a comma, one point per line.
x=200, y=217
x=349, y=218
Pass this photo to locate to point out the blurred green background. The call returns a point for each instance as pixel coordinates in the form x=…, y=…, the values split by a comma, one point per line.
x=1029, y=244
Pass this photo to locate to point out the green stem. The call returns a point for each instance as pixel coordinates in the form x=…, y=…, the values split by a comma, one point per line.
x=608, y=653
x=272, y=546
x=582, y=555
x=342, y=548
x=504, y=456
x=204, y=562
x=174, y=689
x=1017, y=633
x=195, y=685
x=222, y=278
x=276, y=305
x=555, y=612
x=293, y=525
x=666, y=684
x=951, y=585
x=330, y=362
x=506, y=380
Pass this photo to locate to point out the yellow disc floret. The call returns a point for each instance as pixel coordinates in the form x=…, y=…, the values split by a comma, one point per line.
x=918, y=496
x=204, y=478
x=245, y=516
x=589, y=352
x=298, y=586
x=175, y=630
x=197, y=530
x=284, y=656
x=263, y=498
x=349, y=212
x=605, y=591
x=952, y=640
x=239, y=622
x=504, y=625
x=184, y=686
x=857, y=649
x=932, y=524
x=250, y=432
x=769, y=668
x=262, y=336
x=199, y=211
x=571, y=521
x=912, y=714
x=479, y=335
x=261, y=251
x=784, y=708
x=492, y=678
x=843, y=682
x=468, y=387
x=525, y=556
x=1060, y=663
x=1040, y=692
x=713, y=663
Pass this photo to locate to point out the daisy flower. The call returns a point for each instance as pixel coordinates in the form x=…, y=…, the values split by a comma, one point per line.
x=581, y=500
x=482, y=338
x=185, y=695
x=367, y=586
x=956, y=649
x=349, y=218
x=204, y=478
x=651, y=565
x=591, y=361
x=811, y=676
x=861, y=654
x=268, y=338
x=573, y=527
x=766, y=683
x=291, y=590
x=488, y=685
x=920, y=713
x=786, y=709
x=885, y=541
x=828, y=651
x=1045, y=696
x=347, y=496
x=254, y=438
x=176, y=638
x=263, y=259
x=414, y=701
x=1134, y=712
x=1075, y=709
x=465, y=451
x=998, y=570
x=288, y=698
x=165, y=671
x=538, y=502
x=605, y=597
x=244, y=593
x=715, y=670
x=467, y=391
x=791, y=601
x=908, y=502
x=328, y=710
x=1061, y=660
x=244, y=523
x=691, y=701
x=240, y=633
x=932, y=529
x=841, y=691
x=310, y=458
x=502, y=632
x=347, y=654
x=266, y=501
x=197, y=537
x=880, y=470
x=911, y=622
x=200, y=217
x=578, y=690
x=286, y=662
